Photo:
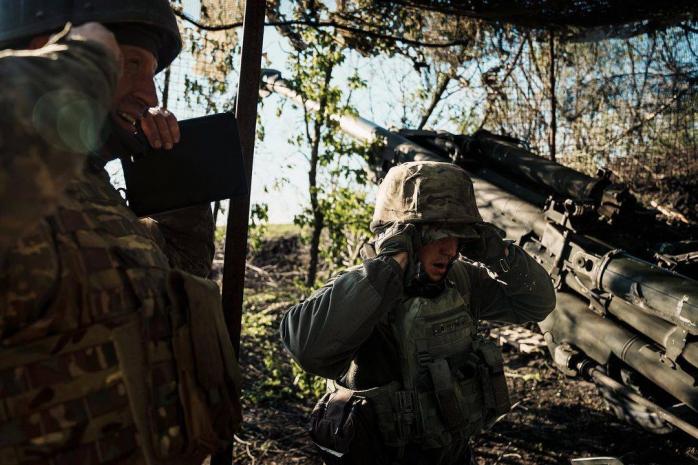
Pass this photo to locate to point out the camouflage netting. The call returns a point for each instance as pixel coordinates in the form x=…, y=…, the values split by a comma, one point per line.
x=572, y=18
x=624, y=80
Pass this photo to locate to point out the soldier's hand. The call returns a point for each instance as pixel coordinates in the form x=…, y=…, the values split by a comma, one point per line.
x=399, y=241
x=490, y=244
x=397, y=238
x=161, y=128
x=95, y=32
x=402, y=259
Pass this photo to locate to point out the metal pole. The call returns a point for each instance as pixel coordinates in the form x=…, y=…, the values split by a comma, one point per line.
x=238, y=209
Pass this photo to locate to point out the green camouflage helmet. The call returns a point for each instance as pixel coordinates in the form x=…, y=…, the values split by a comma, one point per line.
x=22, y=20
x=427, y=192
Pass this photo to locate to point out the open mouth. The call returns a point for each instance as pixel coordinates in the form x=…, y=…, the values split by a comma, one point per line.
x=440, y=266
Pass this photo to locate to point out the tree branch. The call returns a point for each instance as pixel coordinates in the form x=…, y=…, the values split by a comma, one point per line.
x=322, y=25
x=442, y=84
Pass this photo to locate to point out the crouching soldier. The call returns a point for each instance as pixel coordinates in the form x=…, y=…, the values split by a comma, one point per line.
x=409, y=379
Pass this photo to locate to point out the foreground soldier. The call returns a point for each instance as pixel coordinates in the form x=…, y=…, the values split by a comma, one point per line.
x=109, y=353
x=409, y=380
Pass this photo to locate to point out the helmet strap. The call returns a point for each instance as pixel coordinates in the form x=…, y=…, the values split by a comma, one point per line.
x=421, y=286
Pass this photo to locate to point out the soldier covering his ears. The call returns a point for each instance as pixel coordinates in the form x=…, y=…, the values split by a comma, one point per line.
x=113, y=347
x=409, y=379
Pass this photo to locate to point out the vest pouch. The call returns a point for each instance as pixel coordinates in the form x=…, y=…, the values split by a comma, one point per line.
x=343, y=427
x=494, y=384
x=445, y=393
x=207, y=370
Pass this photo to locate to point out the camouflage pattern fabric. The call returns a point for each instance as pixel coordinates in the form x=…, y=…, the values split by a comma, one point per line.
x=95, y=340
x=425, y=192
x=50, y=119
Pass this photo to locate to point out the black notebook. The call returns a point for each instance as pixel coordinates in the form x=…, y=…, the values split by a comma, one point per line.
x=205, y=166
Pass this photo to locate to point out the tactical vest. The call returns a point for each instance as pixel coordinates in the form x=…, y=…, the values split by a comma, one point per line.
x=452, y=383
x=129, y=360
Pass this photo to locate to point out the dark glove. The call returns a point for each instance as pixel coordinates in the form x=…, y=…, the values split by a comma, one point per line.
x=488, y=247
x=400, y=238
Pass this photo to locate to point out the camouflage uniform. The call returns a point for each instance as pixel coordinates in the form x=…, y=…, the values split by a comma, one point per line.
x=101, y=359
x=346, y=330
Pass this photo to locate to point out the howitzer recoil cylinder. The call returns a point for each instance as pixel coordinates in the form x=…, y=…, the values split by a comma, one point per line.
x=573, y=361
x=510, y=157
x=606, y=275
x=600, y=338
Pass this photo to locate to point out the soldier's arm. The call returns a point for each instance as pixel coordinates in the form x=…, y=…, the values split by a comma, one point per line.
x=187, y=238
x=510, y=287
x=53, y=102
x=323, y=332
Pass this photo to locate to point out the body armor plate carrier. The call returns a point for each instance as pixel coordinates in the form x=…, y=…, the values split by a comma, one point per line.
x=453, y=383
x=131, y=361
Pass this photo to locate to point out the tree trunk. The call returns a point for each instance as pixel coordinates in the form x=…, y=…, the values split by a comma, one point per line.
x=318, y=215
x=166, y=89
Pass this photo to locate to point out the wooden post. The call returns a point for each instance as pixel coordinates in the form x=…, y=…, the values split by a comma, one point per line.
x=238, y=209
x=552, y=141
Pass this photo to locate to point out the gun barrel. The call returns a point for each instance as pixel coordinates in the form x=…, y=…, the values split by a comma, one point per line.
x=496, y=204
x=355, y=126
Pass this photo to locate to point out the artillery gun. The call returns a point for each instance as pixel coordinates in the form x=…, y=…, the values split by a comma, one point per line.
x=627, y=283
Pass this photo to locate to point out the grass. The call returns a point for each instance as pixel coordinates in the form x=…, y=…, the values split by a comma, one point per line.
x=271, y=231
x=278, y=230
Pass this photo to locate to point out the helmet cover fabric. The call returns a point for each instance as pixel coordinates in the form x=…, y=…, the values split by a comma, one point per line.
x=427, y=192
x=29, y=18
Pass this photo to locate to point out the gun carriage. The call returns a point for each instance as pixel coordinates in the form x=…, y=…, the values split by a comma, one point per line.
x=627, y=282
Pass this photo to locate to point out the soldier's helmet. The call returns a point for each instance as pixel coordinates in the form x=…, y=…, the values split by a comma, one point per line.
x=21, y=20
x=427, y=193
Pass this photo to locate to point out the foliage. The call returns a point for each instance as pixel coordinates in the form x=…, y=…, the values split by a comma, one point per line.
x=625, y=103
x=335, y=169
x=258, y=226
x=348, y=215
x=308, y=386
x=206, y=67
x=279, y=378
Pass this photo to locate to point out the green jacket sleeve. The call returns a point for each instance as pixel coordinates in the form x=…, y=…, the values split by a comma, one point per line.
x=513, y=288
x=54, y=101
x=323, y=332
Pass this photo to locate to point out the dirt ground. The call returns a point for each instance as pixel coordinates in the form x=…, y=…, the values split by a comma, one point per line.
x=554, y=418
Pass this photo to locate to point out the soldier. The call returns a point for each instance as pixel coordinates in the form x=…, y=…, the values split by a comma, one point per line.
x=101, y=358
x=409, y=379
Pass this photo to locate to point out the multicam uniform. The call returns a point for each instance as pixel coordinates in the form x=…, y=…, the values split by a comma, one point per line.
x=430, y=380
x=100, y=358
